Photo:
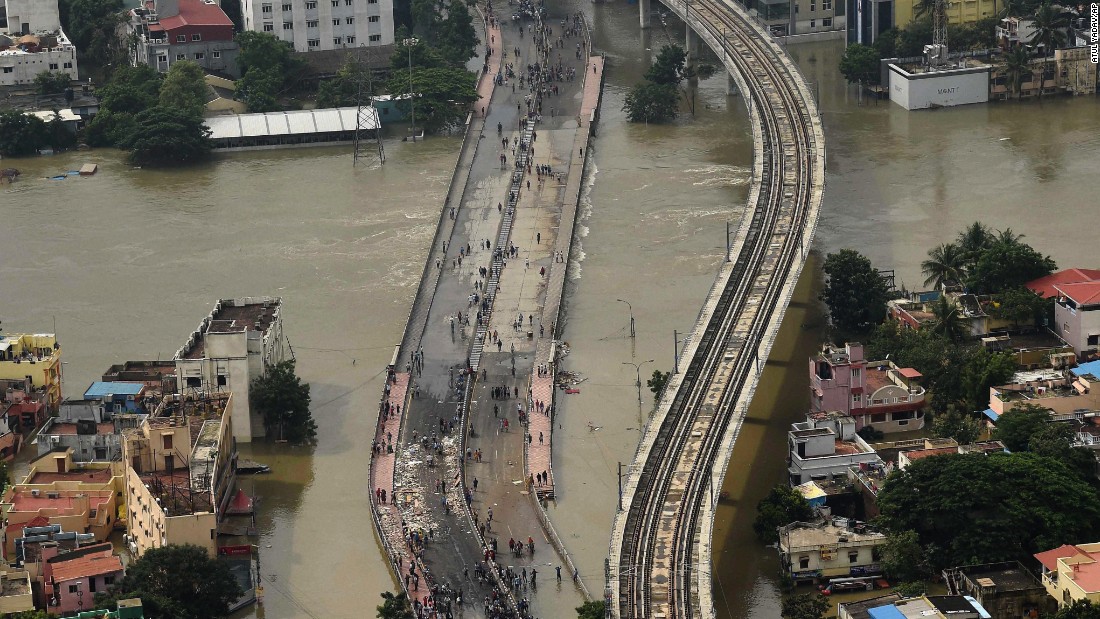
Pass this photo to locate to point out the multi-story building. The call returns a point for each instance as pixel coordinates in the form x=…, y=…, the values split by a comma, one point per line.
x=1066, y=395
x=72, y=579
x=168, y=31
x=1071, y=573
x=322, y=25
x=32, y=41
x=1004, y=589
x=824, y=447
x=811, y=551
x=180, y=470
x=77, y=505
x=794, y=17
x=35, y=359
x=874, y=393
x=232, y=346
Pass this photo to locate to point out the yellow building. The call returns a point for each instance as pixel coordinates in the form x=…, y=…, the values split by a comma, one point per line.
x=958, y=12
x=1072, y=572
x=36, y=358
x=15, y=592
x=180, y=470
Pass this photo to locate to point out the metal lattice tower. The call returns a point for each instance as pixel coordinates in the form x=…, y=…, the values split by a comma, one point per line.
x=366, y=116
x=939, y=24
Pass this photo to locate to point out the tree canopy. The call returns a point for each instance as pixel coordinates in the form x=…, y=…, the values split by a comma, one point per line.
x=51, y=82
x=860, y=63
x=975, y=508
x=268, y=67
x=1028, y=427
x=184, y=88
x=167, y=135
x=955, y=424
x=652, y=103
x=782, y=506
x=283, y=400
x=1080, y=609
x=803, y=606
x=442, y=95
x=855, y=293
x=394, y=606
x=1009, y=263
x=20, y=134
x=176, y=582
x=92, y=26
x=591, y=610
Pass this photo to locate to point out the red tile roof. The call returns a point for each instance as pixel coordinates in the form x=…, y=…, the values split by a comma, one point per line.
x=1049, y=558
x=1045, y=285
x=909, y=373
x=196, y=13
x=98, y=564
x=1084, y=293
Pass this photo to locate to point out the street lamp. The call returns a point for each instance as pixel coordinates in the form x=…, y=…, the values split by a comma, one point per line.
x=631, y=310
x=676, y=341
x=638, y=373
x=409, y=43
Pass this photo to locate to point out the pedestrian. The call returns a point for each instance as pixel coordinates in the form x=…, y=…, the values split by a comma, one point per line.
x=557, y=569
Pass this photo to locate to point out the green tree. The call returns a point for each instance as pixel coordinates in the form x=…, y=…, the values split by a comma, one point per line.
x=902, y=557
x=668, y=67
x=268, y=68
x=258, y=88
x=184, y=88
x=92, y=26
x=21, y=134
x=911, y=589
x=957, y=425
x=1080, y=609
x=652, y=103
x=591, y=610
x=30, y=614
x=946, y=264
x=975, y=508
x=855, y=293
x=886, y=43
x=58, y=135
x=343, y=88
x=1055, y=441
x=860, y=63
x=51, y=82
x=803, y=606
x=947, y=320
x=1049, y=23
x=442, y=95
x=176, y=582
x=130, y=90
x=1020, y=305
x=394, y=606
x=972, y=241
x=283, y=400
x=982, y=369
x=1009, y=265
x=1016, y=427
x=782, y=506
x=658, y=382
x=916, y=34
x=456, y=38
x=1016, y=64
x=165, y=136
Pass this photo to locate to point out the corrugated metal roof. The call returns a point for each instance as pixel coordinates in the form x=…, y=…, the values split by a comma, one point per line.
x=288, y=123
x=100, y=389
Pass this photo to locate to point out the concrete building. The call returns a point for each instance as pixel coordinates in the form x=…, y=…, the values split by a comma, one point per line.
x=1004, y=589
x=915, y=86
x=893, y=606
x=15, y=592
x=322, y=25
x=35, y=359
x=169, y=31
x=1077, y=315
x=1064, y=394
x=800, y=17
x=824, y=447
x=70, y=504
x=874, y=393
x=72, y=579
x=1071, y=573
x=1015, y=31
x=233, y=345
x=31, y=41
x=156, y=375
x=823, y=550
x=180, y=470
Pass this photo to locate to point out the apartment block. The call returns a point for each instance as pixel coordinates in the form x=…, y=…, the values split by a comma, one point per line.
x=32, y=41
x=322, y=25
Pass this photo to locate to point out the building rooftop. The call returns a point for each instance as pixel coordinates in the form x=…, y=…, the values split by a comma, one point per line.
x=89, y=475
x=1084, y=559
x=174, y=494
x=98, y=564
x=140, y=371
x=1092, y=368
x=928, y=453
x=1045, y=285
x=70, y=428
x=15, y=583
x=1049, y=558
x=27, y=347
x=1001, y=577
x=191, y=13
x=1084, y=293
x=296, y=122
x=234, y=315
x=66, y=503
x=813, y=535
x=101, y=389
x=860, y=609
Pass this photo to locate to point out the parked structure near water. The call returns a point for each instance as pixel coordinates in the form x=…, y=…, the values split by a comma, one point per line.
x=32, y=41
x=168, y=31
x=810, y=551
x=290, y=129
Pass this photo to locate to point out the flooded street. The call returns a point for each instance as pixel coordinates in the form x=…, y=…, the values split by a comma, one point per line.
x=129, y=261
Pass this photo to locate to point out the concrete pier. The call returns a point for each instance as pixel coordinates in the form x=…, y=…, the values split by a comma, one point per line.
x=644, y=10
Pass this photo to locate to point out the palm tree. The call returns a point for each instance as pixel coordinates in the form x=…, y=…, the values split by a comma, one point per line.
x=947, y=320
x=923, y=7
x=944, y=265
x=1050, y=25
x=976, y=238
x=1008, y=237
x=1016, y=64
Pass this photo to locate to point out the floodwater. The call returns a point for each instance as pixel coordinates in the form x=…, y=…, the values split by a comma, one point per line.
x=129, y=261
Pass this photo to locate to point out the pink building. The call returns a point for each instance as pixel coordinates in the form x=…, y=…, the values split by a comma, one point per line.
x=72, y=579
x=874, y=393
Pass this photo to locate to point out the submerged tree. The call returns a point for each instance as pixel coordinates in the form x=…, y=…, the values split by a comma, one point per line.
x=283, y=400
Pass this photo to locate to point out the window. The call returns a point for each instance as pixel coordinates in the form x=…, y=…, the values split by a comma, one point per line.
x=351, y=40
x=68, y=65
x=266, y=8
x=196, y=37
x=222, y=380
x=108, y=580
x=269, y=27
x=903, y=423
x=374, y=19
x=288, y=8
x=803, y=563
x=347, y=2
x=826, y=5
x=167, y=441
x=813, y=7
x=200, y=56
x=335, y=3
x=853, y=556
x=310, y=6
x=904, y=415
x=878, y=418
x=162, y=59
x=827, y=22
x=350, y=20
x=336, y=22
x=312, y=23
x=215, y=54
x=337, y=41
x=372, y=1
x=74, y=588
x=181, y=38
x=288, y=25
x=53, y=66
x=374, y=38
x=314, y=42
x=181, y=56
x=813, y=23
x=855, y=396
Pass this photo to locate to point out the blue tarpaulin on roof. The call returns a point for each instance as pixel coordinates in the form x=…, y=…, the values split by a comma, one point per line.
x=1092, y=367
x=992, y=414
x=100, y=389
x=885, y=612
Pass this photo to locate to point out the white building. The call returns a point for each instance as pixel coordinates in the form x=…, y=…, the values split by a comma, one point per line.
x=234, y=345
x=31, y=41
x=917, y=87
x=321, y=25
x=824, y=447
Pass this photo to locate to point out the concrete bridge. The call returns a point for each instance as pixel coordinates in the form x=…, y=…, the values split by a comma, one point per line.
x=660, y=553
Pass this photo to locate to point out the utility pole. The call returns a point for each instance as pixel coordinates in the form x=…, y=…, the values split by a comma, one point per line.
x=727, y=240
x=409, y=43
x=630, y=308
x=620, y=486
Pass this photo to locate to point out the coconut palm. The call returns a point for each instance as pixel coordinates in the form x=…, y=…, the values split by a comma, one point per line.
x=1050, y=23
x=976, y=238
x=1016, y=64
x=945, y=265
x=1008, y=237
x=947, y=320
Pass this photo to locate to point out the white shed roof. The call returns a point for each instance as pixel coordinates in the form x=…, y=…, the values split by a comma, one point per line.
x=289, y=123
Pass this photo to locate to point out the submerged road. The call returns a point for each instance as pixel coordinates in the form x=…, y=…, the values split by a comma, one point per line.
x=660, y=563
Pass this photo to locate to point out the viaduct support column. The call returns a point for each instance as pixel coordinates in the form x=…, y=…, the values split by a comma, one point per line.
x=691, y=46
x=643, y=12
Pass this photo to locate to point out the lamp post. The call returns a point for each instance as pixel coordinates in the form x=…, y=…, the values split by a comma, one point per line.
x=676, y=341
x=409, y=43
x=638, y=374
x=631, y=310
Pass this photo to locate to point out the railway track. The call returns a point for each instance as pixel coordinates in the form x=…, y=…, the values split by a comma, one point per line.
x=658, y=559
